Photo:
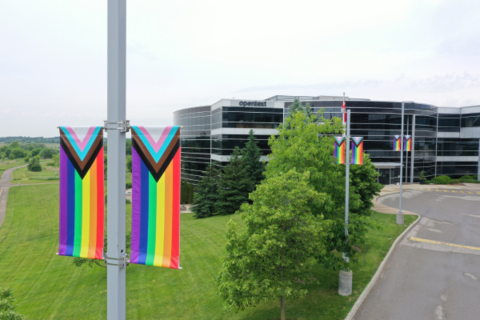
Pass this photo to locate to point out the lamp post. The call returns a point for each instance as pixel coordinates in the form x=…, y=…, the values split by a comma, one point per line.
x=117, y=11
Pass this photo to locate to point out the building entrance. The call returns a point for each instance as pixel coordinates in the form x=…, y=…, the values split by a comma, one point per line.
x=384, y=177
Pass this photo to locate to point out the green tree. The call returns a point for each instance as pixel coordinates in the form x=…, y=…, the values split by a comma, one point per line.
x=56, y=159
x=14, y=145
x=36, y=152
x=307, y=145
x=234, y=184
x=48, y=153
x=251, y=155
x=275, y=254
x=298, y=106
x=206, y=194
x=129, y=163
x=17, y=153
x=34, y=164
x=7, y=306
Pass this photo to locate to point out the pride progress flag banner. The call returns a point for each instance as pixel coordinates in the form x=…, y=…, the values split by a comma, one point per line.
x=357, y=150
x=81, y=192
x=339, y=150
x=156, y=196
x=407, y=145
x=396, y=143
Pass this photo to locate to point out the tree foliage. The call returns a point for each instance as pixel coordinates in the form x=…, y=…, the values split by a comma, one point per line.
x=251, y=155
x=297, y=106
x=275, y=254
x=234, y=184
x=34, y=164
x=7, y=306
x=307, y=144
x=206, y=194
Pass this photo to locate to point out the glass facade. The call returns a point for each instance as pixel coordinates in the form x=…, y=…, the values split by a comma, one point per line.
x=196, y=140
x=377, y=121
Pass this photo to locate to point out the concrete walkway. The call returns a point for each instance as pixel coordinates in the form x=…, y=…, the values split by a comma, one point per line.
x=4, y=187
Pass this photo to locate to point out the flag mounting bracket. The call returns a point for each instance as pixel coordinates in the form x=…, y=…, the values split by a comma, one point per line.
x=123, y=261
x=123, y=126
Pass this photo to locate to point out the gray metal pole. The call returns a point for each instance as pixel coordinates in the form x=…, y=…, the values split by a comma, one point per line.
x=117, y=11
x=406, y=154
x=347, y=176
x=413, y=148
x=478, y=170
x=400, y=214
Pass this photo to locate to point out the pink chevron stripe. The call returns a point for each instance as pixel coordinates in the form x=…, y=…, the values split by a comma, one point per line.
x=156, y=145
x=82, y=144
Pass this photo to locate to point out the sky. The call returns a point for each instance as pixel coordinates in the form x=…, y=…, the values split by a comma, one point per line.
x=53, y=56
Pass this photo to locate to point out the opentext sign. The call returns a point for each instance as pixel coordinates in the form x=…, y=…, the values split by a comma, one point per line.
x=253, y=103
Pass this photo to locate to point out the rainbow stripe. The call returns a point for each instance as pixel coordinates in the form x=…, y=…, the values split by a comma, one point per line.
x=396, y=143
x=357, y=150
x=156, y=196
x=407, y=145
x=81, y=193
x=339, y=150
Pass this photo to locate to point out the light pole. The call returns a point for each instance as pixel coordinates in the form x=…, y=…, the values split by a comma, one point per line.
x=116, y=255
x=400, y=214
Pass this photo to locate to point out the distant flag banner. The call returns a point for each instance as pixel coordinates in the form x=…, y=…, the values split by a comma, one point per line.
x=407, y=145
x=344, y=111
x=357, y=150
x=339, y=150
x=156, y=196
x=81, y=192
x=396, y=143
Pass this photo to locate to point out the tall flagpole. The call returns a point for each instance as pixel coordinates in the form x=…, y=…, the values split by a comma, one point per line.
x=400, y=214
x=115, y=257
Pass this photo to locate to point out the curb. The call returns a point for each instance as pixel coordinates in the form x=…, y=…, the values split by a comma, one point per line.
x=375, y=277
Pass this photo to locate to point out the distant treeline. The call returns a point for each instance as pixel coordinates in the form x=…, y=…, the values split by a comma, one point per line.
x=30, y=139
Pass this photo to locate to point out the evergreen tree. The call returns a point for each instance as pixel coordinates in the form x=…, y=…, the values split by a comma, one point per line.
x=234, y=184
x=206, y=194
x=298, y=106
x=251, y=155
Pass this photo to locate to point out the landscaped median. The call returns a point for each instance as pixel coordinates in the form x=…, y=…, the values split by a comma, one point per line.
x=51, y=287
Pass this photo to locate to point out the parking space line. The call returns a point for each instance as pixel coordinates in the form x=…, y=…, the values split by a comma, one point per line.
x=453, y=191
x=428, y=189
x=443, y=243
x=461, y=191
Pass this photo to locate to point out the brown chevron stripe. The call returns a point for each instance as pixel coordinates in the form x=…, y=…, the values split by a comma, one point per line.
x=156, y=165
x=91, y=152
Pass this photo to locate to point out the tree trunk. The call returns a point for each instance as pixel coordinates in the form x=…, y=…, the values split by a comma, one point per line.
x=282, y=317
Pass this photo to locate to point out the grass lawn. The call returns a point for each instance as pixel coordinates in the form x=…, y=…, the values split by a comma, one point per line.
x=7, y=164
x=48, y=174
x=51, y=287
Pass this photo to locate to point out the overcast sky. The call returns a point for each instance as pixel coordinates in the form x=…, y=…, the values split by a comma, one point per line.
x=53, y=55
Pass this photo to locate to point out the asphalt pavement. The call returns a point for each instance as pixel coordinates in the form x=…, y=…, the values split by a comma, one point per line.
x=434, y=273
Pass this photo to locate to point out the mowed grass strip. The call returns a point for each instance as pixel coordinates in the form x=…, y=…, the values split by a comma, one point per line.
x=51, y=287
x=47, y=175
x=7, y=164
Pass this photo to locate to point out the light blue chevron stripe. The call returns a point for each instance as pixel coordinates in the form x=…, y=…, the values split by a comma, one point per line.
x=156, y=155
x=81, y=154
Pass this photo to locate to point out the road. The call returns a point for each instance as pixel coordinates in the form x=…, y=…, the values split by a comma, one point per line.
x=434, y=273
x=4, y=186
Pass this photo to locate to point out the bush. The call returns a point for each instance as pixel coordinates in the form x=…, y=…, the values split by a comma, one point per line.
x=454, y=181
x=428, y=181
x=27, y=159
x=467, y=179
x=51, y=164
x=441, y=180
x=128, y=184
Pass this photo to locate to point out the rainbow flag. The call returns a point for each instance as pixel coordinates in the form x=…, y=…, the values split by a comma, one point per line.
x=156, y=196
x=81, y=192
x=407, y=145
x=396, y=143
x=357, y=150
x=339, y=150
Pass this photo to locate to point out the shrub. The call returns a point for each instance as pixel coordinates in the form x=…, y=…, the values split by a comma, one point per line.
x=466, y=179
x=428, y=181
x=51, y=164
x=441, y=180
x=27, y=159
x=454, y=181
x=128, y=184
